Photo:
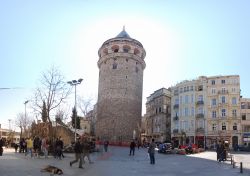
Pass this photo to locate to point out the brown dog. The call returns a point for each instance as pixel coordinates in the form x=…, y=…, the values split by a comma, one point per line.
x=52, y=170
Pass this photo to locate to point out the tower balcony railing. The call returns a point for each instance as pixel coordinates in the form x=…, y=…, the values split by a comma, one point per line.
x=200, y=102
x=176, y=106
x=200, y=115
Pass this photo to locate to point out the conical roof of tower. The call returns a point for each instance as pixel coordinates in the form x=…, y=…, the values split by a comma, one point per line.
x=123, y=34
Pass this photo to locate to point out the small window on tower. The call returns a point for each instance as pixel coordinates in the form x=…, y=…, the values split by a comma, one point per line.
x=114, y=65
x=136, y=69
x=126, y=60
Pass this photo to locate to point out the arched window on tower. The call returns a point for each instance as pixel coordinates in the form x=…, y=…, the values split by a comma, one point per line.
x=136, y=51
x=235, y=126
x=126, y=48
x=115, y=48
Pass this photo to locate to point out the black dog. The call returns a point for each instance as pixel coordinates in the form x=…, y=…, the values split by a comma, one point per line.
x=52, y=170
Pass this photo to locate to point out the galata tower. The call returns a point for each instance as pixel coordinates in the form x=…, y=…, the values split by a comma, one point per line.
x=121, y=64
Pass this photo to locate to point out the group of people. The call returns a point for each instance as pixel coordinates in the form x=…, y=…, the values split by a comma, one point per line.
x=37, y=146
x=82, y=150
x=221, y=152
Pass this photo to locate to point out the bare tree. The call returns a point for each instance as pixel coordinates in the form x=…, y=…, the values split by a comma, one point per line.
x=85, y=105
x=23, y=122
x=52, y=92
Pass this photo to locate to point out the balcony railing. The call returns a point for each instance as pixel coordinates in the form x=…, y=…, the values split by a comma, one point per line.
x=200, y=115
x=176, y=106
x=200, y=102
x=200, y=130
x=223, y=92
x=175, y=131
x=176, y=118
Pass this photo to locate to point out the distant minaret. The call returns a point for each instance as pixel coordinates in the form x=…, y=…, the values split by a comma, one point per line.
x=121, y=64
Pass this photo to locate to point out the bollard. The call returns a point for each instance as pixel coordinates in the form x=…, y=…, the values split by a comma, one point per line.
x=231, y=159
x=241, y=167
x=233, y=164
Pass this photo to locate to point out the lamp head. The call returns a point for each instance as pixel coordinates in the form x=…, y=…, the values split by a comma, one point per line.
x=80, y=80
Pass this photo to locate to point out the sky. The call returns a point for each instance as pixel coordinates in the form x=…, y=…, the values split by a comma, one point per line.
x=183, y=40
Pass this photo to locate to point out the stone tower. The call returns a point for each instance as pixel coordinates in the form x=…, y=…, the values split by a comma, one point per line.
x=121, y=64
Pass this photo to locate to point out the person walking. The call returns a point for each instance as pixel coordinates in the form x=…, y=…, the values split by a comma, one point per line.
x=45, y=147
x=86, y=150
x=1, y=146
x=78, y=153
x=106, y=144
x=132, y=148
x=151, y=151
x=29, y=143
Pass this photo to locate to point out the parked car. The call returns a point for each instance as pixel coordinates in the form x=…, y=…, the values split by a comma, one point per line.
x=165, y=148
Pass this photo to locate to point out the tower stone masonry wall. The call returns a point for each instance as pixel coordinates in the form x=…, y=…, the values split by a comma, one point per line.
x=121, y=66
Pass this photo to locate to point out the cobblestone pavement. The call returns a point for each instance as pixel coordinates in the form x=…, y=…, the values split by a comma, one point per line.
x=117, y=162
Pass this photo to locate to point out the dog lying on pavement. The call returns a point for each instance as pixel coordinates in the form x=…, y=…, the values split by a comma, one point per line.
x=52, y=170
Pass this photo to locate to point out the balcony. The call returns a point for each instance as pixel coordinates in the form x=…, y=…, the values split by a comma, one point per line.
x=200, y=102
x=176, y=118
x=200, y=130
x=200, y=115
x=176, y=106
x=223, y=92
x=175, y=131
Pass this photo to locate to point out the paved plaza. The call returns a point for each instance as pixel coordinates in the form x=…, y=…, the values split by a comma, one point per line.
x=117, y=162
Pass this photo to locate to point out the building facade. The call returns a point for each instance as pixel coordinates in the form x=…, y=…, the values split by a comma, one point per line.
x=121, y=64
x=206, y=110
x=245, y=121
x=158, y=119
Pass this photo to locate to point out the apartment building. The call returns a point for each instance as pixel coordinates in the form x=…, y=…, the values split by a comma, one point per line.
x=206, y=110
x=157, y=117
x=245, y=121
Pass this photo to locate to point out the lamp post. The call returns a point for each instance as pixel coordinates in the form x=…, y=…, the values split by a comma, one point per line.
x=25, y=113
x=74, y=83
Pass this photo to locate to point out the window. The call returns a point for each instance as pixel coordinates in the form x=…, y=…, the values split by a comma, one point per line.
x=243, y=117
x=224, y=127
x=234, y=101
x=200, y=98
x=213, y=102
x=213, y=82
x=181, y=90
x=233, y=89
x=159, y=109
x=176, y=101
x=192, y=111
x=234, y=113
x=235, y=126
x=136, y=69
x=192, y=98
x=191, y=88
x=214, y=127
x=185, y=89
x=223, y=99
x=213, y=114
x=186, y=111
x=200, y=88
x=223, y=81
x=156, y=111
x=223, y=112
x=200, y=110
x=186, y=99
x=223, y=90
x=114, y=65
x=180, y=99
x=213, y=91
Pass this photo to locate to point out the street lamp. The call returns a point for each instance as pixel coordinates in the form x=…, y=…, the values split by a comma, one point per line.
x=25, y=114
x=74, y=83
